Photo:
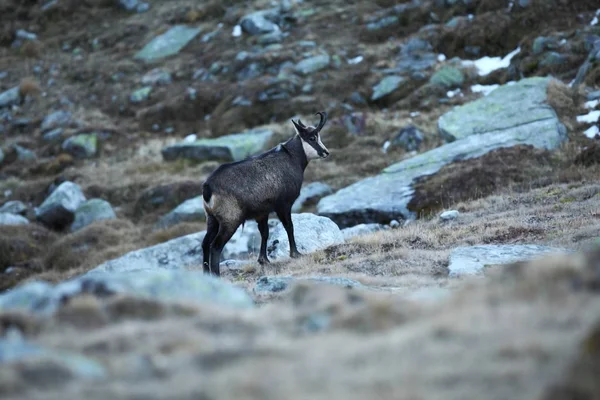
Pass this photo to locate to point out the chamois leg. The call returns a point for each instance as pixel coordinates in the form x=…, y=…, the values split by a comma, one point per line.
x=263, y=228
x=212, y=227
x=226, y=231
x=285, y=216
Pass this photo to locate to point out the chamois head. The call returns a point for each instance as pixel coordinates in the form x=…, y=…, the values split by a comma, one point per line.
x=311, y=138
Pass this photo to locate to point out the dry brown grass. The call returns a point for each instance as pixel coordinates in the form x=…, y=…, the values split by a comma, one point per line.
x=181, y=229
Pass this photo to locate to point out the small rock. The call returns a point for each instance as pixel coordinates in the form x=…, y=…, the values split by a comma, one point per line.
x=57, y=119
x=54, y=134
x=10, y=97
x=270, y=38
x=232, y=147
x=394, y=224
x=312, y=233
x=188, y=211
x=310, y=194
x=449, y=215
x=472, y=260
x=553, y=58
x=276, y=284
x=383, y=23
x=167, y=44
x=409, y=138
x=157, y=76
x=258, y=23
x=24, y=35
x=81, y=146
x=12, y=219
x=542, y=43
x=448, y=77
x=140, y=95
x=24, y=154
x=312, y=64
x=362, y=229
x=90, y=211
x=58, y=210
x=1, y=153
x=386, y=86
x=14, y=207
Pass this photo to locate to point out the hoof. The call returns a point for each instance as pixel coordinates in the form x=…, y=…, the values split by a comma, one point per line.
x=263, y=260
x=296, y=255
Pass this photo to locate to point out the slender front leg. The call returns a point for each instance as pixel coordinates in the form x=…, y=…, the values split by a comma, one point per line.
x=285, y=216
x=212, y=228
x=225, y=233
x=263, y=228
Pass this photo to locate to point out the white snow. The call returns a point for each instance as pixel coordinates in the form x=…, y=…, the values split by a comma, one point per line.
x=385, y=146
x=452, y=93
x=592, y=132
x=485, y=89
x=190, y=138
x=237, y=31
x=591, y=103
x=441, y=57
x=486, y=64
x=590, y=118
x=356, y=60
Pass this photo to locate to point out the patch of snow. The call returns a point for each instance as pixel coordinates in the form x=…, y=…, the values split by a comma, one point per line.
x=592, y=131
x=441, y=57
x=485, y=89
x=190, y=138
x=452, y=93
x=486, y=64
x=386, y=145
x=590, y=118
x=591, y=103
x=356, y=60
x=595, y=20
x=237, y=31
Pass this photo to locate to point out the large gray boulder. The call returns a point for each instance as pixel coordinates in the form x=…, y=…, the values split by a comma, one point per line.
x=169, y=43
x=188, y=211
x=385, y=197
x=518, y=108
x=472, y=260
x=311, y=193
x=165, y=285
x=12, y=219
x=58, y=210
x=232, y=147
x=311, y=232
x=90, y=211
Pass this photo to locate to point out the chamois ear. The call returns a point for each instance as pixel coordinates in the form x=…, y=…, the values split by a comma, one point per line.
x=299, y=126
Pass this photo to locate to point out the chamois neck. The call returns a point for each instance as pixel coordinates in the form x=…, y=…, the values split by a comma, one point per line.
x=296, y=151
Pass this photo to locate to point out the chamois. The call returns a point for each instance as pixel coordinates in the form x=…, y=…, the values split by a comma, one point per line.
x=256, y=186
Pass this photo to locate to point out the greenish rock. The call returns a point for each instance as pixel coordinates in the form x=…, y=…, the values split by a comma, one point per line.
x=448, y=77
x=90, y=211
x=167, y=44
x=140, y=95
x=81, y=146
x=10, y=97
x=481, y=128
x=232, y=147
x=189, y=211
x=383, y=23
x=386, y=86
x=553, y=58
x=543, y=43
x=521, y=107
x=312, y=64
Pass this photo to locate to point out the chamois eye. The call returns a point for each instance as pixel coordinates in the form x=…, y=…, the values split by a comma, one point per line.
x=313, y=138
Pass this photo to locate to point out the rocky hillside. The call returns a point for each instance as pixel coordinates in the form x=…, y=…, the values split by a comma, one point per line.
x=463, y=138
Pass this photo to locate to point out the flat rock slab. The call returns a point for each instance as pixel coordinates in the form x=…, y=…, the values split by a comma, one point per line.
x=167, y=44
x=275, y=284
x=175, y=285
x=511, y=106
x=226, y=148
x=472, y=260
x=385, y=197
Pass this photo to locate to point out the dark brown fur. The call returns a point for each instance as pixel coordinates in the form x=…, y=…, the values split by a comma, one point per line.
x=253, y=188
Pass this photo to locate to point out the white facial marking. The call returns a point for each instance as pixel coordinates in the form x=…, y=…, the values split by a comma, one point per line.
x=310, y=152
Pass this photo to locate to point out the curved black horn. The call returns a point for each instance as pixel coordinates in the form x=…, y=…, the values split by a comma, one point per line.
x=323, y=116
